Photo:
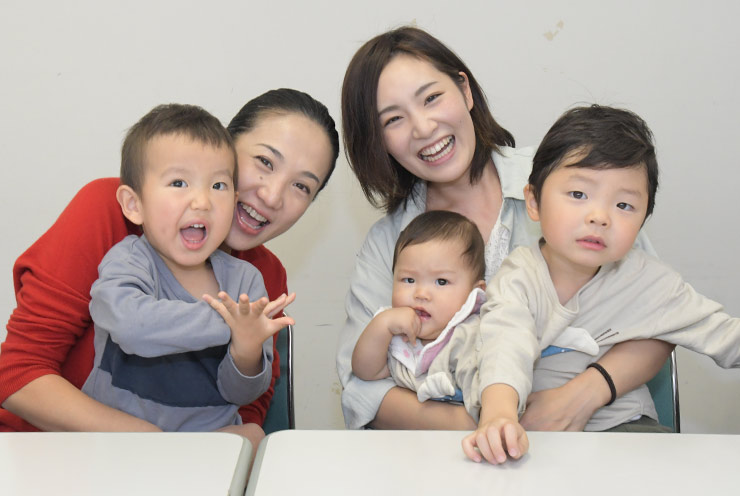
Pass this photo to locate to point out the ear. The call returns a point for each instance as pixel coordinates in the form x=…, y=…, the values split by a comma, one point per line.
x=533, y=209
x=130, y=204
x=480, y=284
x=465, y=88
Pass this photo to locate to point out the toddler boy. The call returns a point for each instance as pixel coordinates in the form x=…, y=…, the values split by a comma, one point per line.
x=592, y=186
x=161, y=352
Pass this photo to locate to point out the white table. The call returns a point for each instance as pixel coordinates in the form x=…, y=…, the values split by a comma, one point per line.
x=430, y=463
x=123, y=463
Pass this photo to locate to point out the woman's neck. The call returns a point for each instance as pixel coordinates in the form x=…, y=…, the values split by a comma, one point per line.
x=479, y=202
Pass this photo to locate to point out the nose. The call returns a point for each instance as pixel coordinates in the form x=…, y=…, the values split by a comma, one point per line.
x=598, y=216
x=201, y=199
x=421, y=292
x=270, y=192
x=423, y=125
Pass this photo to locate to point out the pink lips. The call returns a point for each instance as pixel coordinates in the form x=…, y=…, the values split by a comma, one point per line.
x=592, y=243
x=423, y=314
x=246, y=222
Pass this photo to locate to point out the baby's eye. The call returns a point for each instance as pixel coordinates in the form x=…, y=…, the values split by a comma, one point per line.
x=578, y=195
x=408, y=280
x=625, y=206
x=442, y=282
x=178, y=183
x=221, y=186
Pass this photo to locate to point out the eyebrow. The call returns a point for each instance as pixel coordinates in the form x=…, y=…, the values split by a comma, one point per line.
x=418, y=92
x=585, y=179
x=279, y=155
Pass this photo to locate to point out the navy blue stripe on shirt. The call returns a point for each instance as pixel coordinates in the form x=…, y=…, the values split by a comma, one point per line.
x=181, y=380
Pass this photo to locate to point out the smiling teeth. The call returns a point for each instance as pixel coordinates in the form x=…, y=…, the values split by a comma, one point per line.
x=198, y=226
x=438, y=150
x=253, y=213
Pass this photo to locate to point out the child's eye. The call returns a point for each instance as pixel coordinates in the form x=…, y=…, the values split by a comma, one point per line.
x=442, y=282
x=625, y=206
x=408, y=280
x=265, y=162
x=178, y=183
x=578, y=195
x=221, y=186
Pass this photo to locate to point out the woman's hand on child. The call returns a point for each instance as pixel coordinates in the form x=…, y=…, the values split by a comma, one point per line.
x=495, y=440
x=251, y=323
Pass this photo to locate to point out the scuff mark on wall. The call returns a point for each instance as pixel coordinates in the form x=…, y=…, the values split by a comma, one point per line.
x=550, y=35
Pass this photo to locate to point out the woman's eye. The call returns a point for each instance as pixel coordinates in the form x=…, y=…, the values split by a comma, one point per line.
x=391, y=120
x=265, y=162
x=303, y=188
x=221, y=186
x=442, y=282
x=178, y=183
x=578, y=195
x=625, y=206
x=432, y=97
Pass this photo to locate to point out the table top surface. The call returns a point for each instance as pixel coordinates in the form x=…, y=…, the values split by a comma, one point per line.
x=432, y=462
x=123, y=463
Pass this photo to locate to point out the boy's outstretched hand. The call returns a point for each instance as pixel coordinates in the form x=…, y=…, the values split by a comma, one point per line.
x=495, y=440
x=251, y=323
x=499, y=432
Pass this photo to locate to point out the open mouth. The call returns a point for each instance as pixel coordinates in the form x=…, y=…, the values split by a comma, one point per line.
x=423, y=314
x=438, y=150
x=194, y=234
x=250, y=216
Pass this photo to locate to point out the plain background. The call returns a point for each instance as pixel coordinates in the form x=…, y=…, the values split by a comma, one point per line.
x=75, y=75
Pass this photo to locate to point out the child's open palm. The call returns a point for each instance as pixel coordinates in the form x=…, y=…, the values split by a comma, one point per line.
x=251, y=323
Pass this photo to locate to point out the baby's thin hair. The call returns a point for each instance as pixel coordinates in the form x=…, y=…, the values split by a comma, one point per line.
x=442, y=225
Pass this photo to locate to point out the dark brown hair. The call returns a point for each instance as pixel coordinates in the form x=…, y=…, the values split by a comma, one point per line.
x=384, y=181
x=441, y=225
x=173, y=118
x=605, y=138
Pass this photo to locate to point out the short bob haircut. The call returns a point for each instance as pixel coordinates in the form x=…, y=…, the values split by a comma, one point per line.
x=441, y=225
x=385, y=183
x=164, y=120
x=287, y=101
x=604, y=138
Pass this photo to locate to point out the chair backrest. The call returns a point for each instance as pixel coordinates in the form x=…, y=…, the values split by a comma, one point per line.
x=281, y=414
x=664, y=390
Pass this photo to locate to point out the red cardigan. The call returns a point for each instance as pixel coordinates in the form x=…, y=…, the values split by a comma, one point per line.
x=50, y=331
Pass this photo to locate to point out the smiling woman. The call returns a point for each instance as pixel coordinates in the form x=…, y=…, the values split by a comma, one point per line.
x=420, y=136
x=48, y=352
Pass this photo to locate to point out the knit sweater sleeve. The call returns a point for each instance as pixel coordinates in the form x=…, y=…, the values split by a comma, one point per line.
x=50, y=330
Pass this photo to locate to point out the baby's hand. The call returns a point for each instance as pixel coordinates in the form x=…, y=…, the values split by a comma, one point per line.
x=251, y=323
x=495, y=439
x=403, y=321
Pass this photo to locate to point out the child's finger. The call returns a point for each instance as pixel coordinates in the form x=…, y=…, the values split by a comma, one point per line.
x=468, y=446
x=258, y=306
x=511, y=438
x=244, y=306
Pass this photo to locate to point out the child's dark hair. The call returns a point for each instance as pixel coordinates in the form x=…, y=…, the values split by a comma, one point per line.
x=441, y=225
x=284, y=101
x=605, y=137
x=168, y=119
x=385, y=183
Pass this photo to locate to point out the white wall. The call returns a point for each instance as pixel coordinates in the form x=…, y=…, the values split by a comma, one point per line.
x=74, y=75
